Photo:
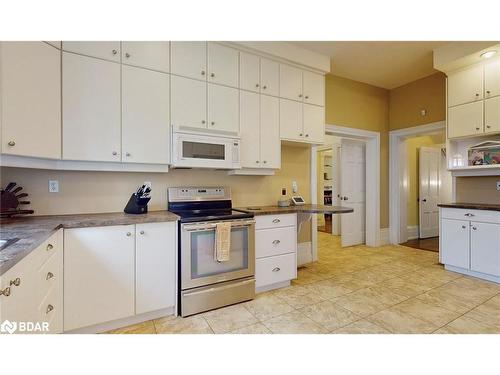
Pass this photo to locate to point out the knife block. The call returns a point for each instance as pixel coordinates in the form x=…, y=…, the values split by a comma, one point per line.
x=137, y=205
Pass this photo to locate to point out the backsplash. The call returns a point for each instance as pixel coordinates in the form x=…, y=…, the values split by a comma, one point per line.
x=477, y=189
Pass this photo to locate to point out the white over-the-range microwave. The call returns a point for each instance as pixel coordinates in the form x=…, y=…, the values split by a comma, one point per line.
x=191, y=150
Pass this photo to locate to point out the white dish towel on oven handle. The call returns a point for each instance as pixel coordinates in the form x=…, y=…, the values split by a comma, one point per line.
x=222, y=241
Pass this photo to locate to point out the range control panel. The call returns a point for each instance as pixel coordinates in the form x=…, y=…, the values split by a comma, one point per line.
x=198, y=193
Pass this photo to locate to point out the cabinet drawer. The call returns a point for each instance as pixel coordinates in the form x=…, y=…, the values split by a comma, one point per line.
x=275, y=221
x=45, y=251
x=275, y=269
x=51, y=310
x=50, y=276
x=473, y=215
x=270, y=242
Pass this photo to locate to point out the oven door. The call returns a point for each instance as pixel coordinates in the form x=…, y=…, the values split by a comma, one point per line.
x=198, y=266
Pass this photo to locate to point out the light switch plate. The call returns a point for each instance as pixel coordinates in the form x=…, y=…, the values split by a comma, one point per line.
x=294, y=187
x=53, y=186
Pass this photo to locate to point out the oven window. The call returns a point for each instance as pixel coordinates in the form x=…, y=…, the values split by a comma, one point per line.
x=198, y=150
x=202, y=253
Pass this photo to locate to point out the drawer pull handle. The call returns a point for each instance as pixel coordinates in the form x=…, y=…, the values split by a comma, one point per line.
x=276, y=221
x=50, y=275
x=49, y=309
x=50, y=246
x=276, y=269
x=5, y=292
x=15, y=282
x=275, y=242
x=469, y=215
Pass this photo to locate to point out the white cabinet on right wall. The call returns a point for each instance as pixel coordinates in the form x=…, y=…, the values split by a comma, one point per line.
x=301, y=122
x=492, y=115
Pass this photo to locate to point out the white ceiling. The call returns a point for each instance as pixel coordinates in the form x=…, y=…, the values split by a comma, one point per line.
x=383, y=64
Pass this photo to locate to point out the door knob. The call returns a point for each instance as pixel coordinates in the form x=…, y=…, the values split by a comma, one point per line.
x=424, y=200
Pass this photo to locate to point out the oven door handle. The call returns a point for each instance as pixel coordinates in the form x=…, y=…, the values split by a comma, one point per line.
x=204, y=227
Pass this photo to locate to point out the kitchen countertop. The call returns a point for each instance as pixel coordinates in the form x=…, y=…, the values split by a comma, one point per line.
x=305, y=208
x=33, y=230
x=472, y=206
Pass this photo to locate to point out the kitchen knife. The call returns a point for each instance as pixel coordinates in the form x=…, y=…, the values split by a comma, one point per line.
x=17, y=189
x=10, y=186
x=22, y=195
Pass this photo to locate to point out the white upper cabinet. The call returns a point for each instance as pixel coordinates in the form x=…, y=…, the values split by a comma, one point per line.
x=149, y=55
x=103, y=50
x=492, y=115
x=222, y=65
x=492, y=79
x=250, y=142
x=249, y=72
x=465, y=86
x=145, y=116
x=189, y=59
x=269, y=77
x=223, y=108
x=291, y=120
x=314, y=123
x=465, y=120
x=30, y=97
x=270, y=143
x=188, y=103
x=91, y=109
x=290, y=82
x=314, y=88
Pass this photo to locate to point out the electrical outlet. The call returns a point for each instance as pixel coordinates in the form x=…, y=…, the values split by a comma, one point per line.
x=53, y=186
x=498, y=185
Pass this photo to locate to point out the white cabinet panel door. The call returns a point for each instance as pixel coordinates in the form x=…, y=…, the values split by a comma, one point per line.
x=223, y=108
x=314, y=88
x=290, y=82
x=150, y=55
x=98, y=275
x=103, y=50
x=269, y=77
x=270, y=143
x=492, y=79
x=250, y=130
x=465, y=86
x=314, y=123
x=91, y=109
x=145, y=116
x=291, y=120
x=492, y=115
x=189, y=59
x=30, y=116
x=429, y=181
x=249, y=72
x=188, y=103
x=155, y=256
x=485, y=248
x=223, y=65
x=455, y=243
x=465, y=120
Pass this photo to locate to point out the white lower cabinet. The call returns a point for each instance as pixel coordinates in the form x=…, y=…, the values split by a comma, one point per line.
x=275, y=270
x=485, y=248
x=455, y=250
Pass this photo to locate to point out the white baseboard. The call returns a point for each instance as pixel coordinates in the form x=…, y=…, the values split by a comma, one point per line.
x=304, y=253
x=384, y=237
x=412, y=232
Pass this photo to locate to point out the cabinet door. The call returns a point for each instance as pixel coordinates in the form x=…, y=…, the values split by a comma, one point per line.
x=189, y=59
x=98, y=275
x=150, y=55
x=145, y=116
x=156, y=266
x=466, y=119
x=485, y=248
x=30, y=115
x=270, y=77
x=250, y=141
x=492, y=115
x=314, y=123
x=91, y=109
x=222, y=65
x=188, y=103
x=492, y=79
x=223, y=108
x=249, y=72
x=290, y=82
x=455, y=243
x=291, y=120
x=314, y=88
x=270, y=142
x=103, y=50
x=465, y=86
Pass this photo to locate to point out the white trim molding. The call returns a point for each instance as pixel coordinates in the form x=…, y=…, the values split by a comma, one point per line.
x=412, y=232
x=384, y=236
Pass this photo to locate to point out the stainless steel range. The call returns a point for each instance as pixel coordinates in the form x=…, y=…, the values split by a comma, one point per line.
x=206, y=283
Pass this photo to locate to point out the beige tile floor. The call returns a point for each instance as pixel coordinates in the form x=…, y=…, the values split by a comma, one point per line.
x=390, y=289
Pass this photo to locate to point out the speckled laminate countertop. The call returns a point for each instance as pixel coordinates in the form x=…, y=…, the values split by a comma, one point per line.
x=306, y=208
x=472, y=206
x=33, y=230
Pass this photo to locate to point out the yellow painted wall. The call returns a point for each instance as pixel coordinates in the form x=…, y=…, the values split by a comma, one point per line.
x=477, y=189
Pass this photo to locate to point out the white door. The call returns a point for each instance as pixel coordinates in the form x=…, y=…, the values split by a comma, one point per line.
x=145, y=116
x=98, y=275
x=454, y=249
x=91, y=109
x=429, y=182
x=270, y=143
x=485, y=248
x=223, y=108
x=269, y=77
x=30, y=115
x=291, y=120
x=189, y=59
x=492, y=115
x=188, y=103
x=465, y=120
x=492, y=79
x=250, y=129
x=336, y=187
x=465, y=86
x=352, y=192
x=290, y=82
x=109, y=50
x=150, y=55
x=314, y=88
x=155, y=267
x=314, y=123
x=223, y=65
x=249, y=72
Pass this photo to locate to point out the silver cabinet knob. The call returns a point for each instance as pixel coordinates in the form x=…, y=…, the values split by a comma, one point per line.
x=203, y=121
x=257, y=161
x=202, y=72
x=141, y=232
x=114, y=52
x=212, y=75
x=477, y=95
x=275, y=242
x=264, y=87
x=256, y=85
x=488, y=92
x=474, y=228
x=115, y=153
x=127, y=55
x=300, y=95
x=5, y=292
x=301, y=134
x=50, y=246
x=127, y=154
x=11, y=143
x=50, y=275
x=463, y=227
x=477, y=127
x=129, y=234
x=307, y=97
x=265, y=162
x=276, y=269
x=488, y=127
x=212, y=123
x=275, y=221
x=49, y=309
x=15, y=282
x=307, y=135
